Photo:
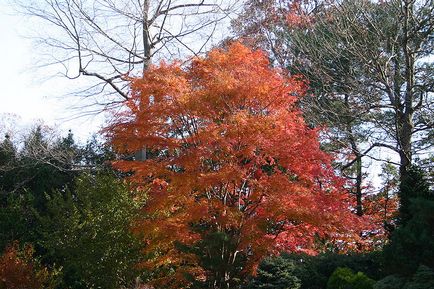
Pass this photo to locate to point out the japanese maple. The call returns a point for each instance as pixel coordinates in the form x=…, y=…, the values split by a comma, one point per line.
x=19, y=269
x=233, y=173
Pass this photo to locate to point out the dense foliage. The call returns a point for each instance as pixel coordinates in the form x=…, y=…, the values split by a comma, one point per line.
x=412, y=242
x=345, y=278
x=408, y=258
x=64, y=199
x=20, y=269
x=29, y=170
x=276, y=273
x=88, y=233
x=422, y=279
x=313, y=272
x=234, y=169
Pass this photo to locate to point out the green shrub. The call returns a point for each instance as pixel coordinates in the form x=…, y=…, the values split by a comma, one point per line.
x=422, y=279
x=275, y=273
x=340, y=279
x=344, y=278
x=313, y=272
x=412, y=243
x=87, y=231
x=390, y=282
x=361, y=281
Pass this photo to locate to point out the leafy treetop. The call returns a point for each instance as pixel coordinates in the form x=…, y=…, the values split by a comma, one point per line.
x=229, y=154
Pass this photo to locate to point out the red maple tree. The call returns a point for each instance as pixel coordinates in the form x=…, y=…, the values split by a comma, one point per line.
x=18, y=269
x=233, y=172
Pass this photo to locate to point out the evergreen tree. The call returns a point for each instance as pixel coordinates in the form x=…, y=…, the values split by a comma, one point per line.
x=87, y=231
x=412, y=243
x=414, y=186
x=275, y=273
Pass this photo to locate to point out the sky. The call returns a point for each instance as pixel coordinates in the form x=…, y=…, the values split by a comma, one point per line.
x=28, y=94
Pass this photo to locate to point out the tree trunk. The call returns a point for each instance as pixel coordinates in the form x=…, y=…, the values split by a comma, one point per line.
x=405, y=117
x=405, y=153
x=359, y=207
x=146, y=37
x=141, y=155
x=355, y=150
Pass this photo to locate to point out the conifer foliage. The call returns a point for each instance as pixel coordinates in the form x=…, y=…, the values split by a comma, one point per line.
x=233, y=172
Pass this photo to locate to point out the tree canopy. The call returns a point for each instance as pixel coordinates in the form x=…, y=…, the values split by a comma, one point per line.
x=232, y=156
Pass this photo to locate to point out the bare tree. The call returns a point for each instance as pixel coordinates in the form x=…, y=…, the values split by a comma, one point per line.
x=110, y=40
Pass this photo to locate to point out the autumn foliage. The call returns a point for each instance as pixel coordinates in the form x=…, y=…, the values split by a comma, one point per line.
x=233, y=173
x=19, y=270
x=382, y=210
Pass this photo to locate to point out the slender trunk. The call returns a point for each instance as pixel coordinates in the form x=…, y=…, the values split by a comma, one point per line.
x=405, y=153
x=358, y=155
x=406, y=125
x=359, y=207
x=141, y=155
x=146, y=36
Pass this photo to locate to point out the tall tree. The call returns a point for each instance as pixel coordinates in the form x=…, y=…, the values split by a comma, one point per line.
x=236, y=172
x=280, y=21
x=32, y=169
x=42, y=162
x=386, y=45
x=29, y=170
x=369, y=70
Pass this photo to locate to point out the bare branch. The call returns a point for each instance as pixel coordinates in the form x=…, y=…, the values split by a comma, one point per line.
x=104, y=39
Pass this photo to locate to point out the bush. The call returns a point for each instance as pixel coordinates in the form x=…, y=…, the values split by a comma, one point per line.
x=361, y=281
x=314, y=271
x=88, y=232
x=344, y=278
x=275, y=273
x=390, y=282
x=340, y=279
x=422, y=279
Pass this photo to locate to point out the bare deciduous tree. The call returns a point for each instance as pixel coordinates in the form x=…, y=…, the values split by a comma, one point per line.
x=110, y=40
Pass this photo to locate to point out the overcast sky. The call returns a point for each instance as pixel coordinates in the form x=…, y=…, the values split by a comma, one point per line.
x=25, y=91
